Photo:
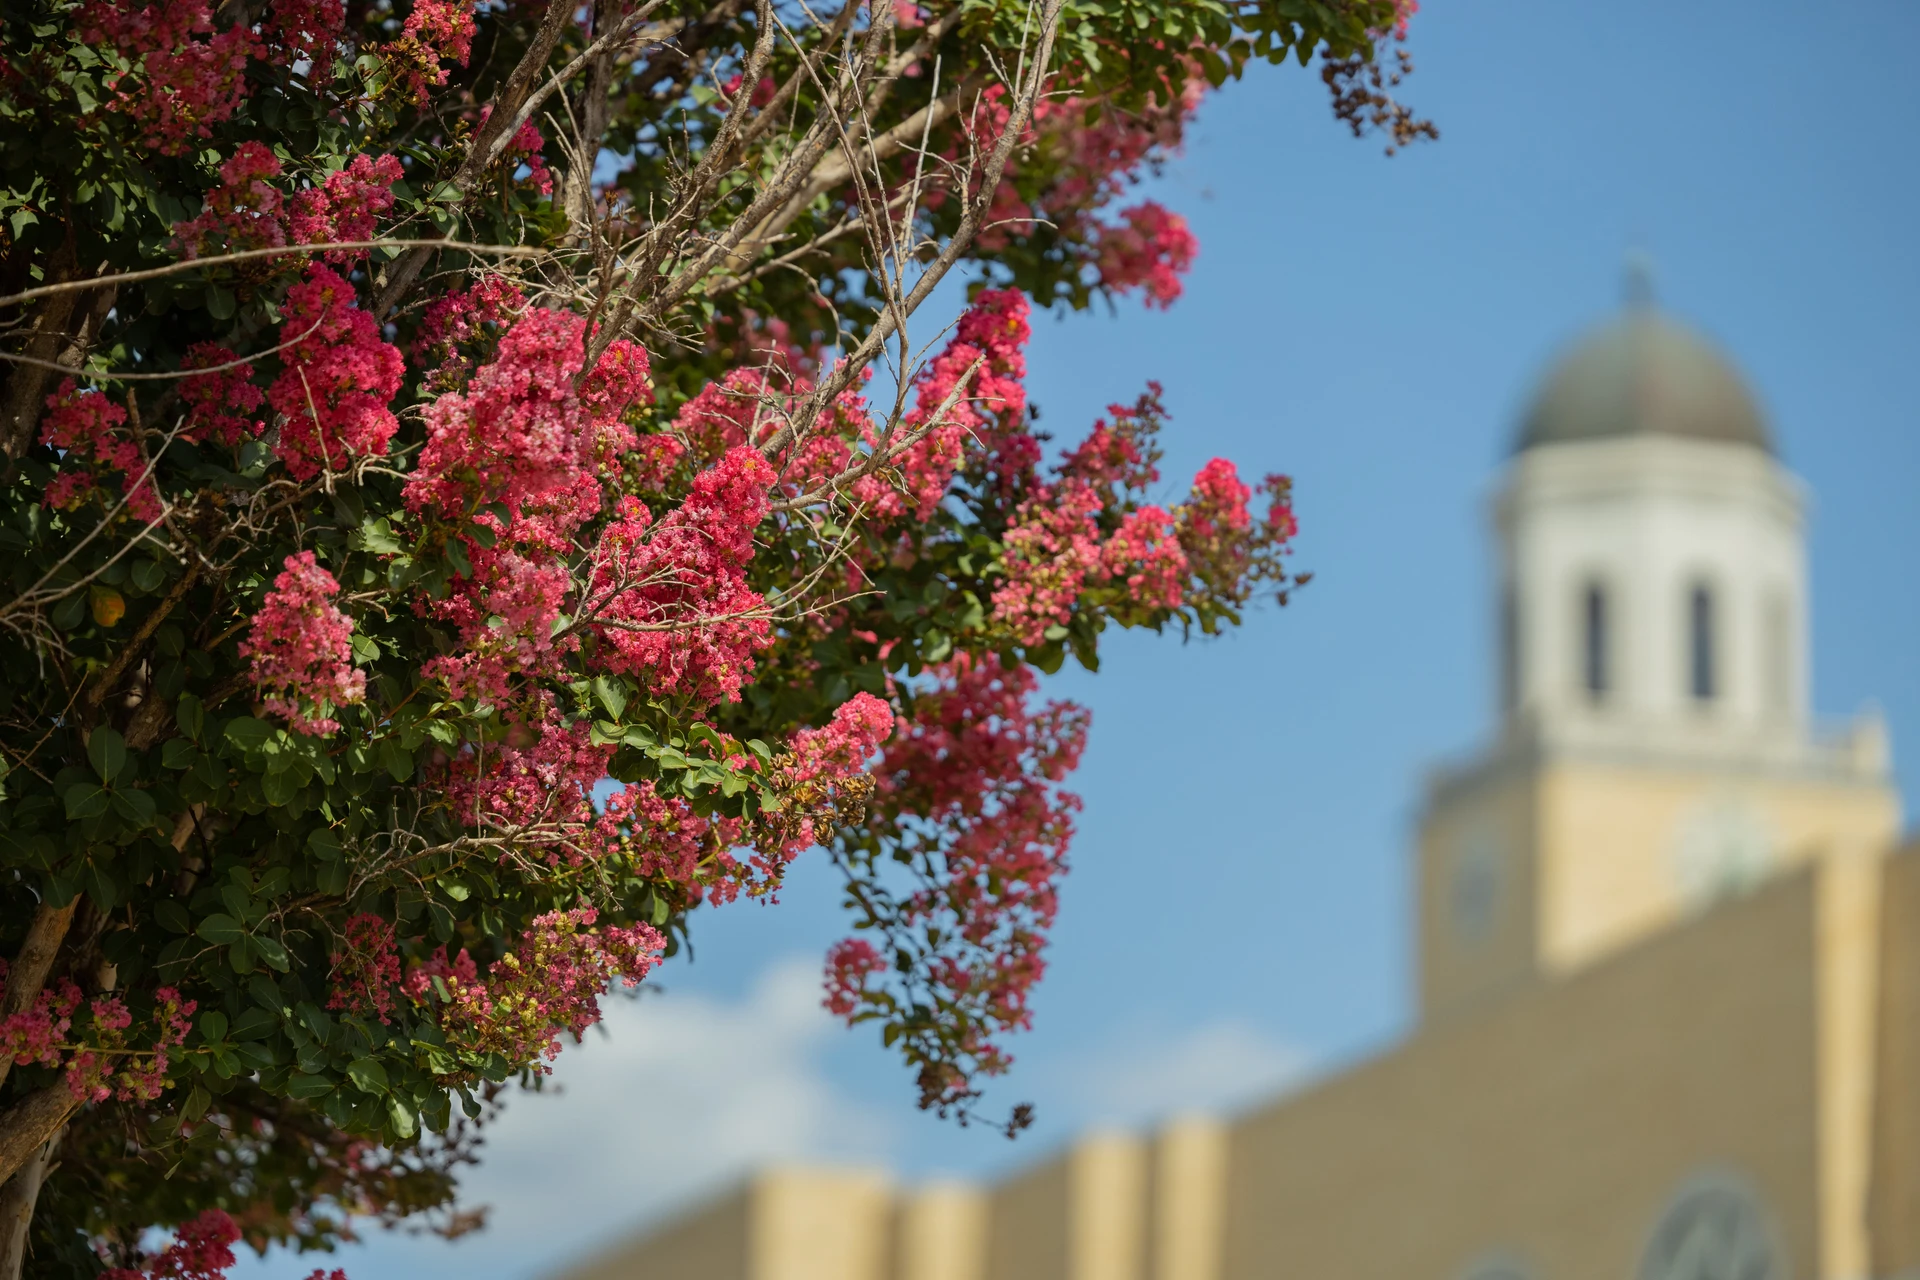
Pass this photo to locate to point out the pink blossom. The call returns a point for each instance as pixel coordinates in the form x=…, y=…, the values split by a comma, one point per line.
x=550, y=983
x=462, y=327
x=850, y=962
x=201, y=1250
x=542, y=775
x=219, y=405
x=671, y=603
x=366, y=968
x=86, y=426
x=336, y=381
x=301, y=649
x=307, y=31
x=1151, y=249
x=435, y=31
x=1053, y=548
x=992, y=334
x=347, y=206
x=34, y=1035
x=243, y=212
x=180, y=84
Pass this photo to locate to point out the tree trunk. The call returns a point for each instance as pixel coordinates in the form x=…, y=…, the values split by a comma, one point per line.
x=30, y=1123
x=17, y=1199
x=28, y=973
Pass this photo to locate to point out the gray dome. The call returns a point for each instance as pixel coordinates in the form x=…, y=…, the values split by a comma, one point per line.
x=1643, y=374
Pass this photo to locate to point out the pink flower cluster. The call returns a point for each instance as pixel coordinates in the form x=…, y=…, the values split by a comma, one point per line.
x=522, y=435
x=301, y=649
x=366, y=968
x=220, y=405
x=202, y=1249
x=346, y=206
x=181, y=84
x=974, y=776
x=1084, y=531
x=844, y=745
x=989, y=411
x=99, y=1064
x=243, y=212
x=664, y=838
x=85, y=425
x=670, y=601
x=1150, y=248
x=35, y=1035
x=1094, y=164
x=542, y=775
x=435, y=31
x=549, y=984
x=748, y=406
x=851, y=964
x=307, y=31
x=336, y=379
x=524, y=148
x=107, y=1068
x=460, y=328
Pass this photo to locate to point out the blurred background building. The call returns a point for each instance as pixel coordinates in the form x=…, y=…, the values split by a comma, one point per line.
x=1668, y=952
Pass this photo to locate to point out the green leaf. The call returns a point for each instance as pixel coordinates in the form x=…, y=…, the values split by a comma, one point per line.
x=302, y=1085
x=248, y=733
x=376, y=535
x=108, y=752
x=221, y=304
x=178, y=753
x=272, y=953
x=191, y=714
x=401, y=1116
x=397, y=759
x=84, y=800
x=365, y=650
x=367, y=1075
x=255, y=1023
x=240, y=956
x=172, y=916
x=213, y=1026
x=221, y=929
x=324, y=844
x=196, y=1103
x=135, y=807
x=612, y=695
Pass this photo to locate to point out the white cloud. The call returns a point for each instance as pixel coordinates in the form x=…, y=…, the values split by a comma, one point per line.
x=681, y=1096
x=1218, y=1067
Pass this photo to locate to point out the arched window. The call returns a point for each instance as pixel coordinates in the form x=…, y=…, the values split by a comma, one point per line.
x=1596, y=657
x=1702, y=678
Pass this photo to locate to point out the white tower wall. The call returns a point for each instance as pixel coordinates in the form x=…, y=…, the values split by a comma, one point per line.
x=1646, y=519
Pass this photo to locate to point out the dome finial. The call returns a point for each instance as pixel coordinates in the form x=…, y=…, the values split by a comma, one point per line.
x=1637, y=280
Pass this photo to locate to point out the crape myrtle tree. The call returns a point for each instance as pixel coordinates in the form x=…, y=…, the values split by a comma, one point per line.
x=451, y=531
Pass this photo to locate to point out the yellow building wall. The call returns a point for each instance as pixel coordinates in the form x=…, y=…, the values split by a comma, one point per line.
x=1894, y=1203
x=1554, y=1126
x=1187, y=1199
x=1079, y=1216
x=940, y=1233
x=1496, y=811
x=711, y=1242
x=1608, y=833
x=782, y=1224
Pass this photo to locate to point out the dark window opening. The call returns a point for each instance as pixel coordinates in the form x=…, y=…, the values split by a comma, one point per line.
x=1595, y=669
x=1702, y=678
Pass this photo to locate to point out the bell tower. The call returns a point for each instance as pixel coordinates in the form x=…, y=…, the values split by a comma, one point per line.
x=1655, y=749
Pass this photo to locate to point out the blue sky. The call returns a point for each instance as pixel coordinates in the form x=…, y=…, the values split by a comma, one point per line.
x=1237, y=915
